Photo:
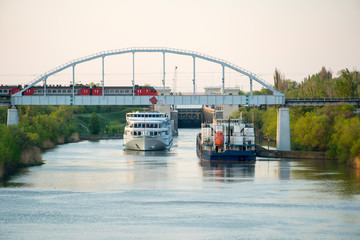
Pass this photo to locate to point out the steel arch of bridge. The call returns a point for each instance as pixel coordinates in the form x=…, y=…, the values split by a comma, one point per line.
x=192, y=54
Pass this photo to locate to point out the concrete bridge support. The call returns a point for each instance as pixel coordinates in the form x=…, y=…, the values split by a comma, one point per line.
x=13, y=116
x=283, y=130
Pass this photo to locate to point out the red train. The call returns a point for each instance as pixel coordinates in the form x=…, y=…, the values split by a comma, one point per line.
x=7, y=91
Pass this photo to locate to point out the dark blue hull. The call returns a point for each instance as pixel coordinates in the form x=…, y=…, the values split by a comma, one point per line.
x=228, y=156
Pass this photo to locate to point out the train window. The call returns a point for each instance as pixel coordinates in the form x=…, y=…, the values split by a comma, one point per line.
x=54, y=91
x=1, y=90
x=117, y=91
x=68, y=90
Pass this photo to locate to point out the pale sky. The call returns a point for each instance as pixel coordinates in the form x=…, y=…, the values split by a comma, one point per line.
x=296, y=36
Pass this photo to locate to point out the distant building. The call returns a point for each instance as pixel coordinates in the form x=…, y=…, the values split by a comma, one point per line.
x=212, y=90
x=219, y=91
x=230, y=91
x=160, y=90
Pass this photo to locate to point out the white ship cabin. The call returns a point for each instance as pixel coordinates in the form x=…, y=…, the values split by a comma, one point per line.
x=148, y=124
x=237, y=135
x=151, y=115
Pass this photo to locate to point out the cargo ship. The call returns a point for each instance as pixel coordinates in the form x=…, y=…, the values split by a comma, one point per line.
x=226, y=140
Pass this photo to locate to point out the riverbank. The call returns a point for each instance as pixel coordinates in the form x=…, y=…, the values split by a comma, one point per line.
x=32, y=156
x=263, y=152
x=99, y=137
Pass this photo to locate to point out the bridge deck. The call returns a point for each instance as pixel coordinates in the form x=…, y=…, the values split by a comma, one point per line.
x=145, y=100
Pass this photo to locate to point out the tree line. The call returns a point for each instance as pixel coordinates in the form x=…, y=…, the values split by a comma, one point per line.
x=335, y=129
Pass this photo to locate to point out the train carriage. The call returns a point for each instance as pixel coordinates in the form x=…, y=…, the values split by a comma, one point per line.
x=7, y=91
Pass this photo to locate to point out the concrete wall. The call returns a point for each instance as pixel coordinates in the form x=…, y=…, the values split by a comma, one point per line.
x=174, y=118
x=163, y=108
x=190, y=118
x=208, y=114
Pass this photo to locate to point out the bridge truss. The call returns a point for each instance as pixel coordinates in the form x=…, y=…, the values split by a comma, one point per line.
x=276, y=98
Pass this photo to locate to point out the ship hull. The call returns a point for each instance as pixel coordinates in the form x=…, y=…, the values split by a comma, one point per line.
x=228, y=156
x=145, y=143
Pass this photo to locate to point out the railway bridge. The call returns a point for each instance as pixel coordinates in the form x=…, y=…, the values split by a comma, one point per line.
x=71, y=98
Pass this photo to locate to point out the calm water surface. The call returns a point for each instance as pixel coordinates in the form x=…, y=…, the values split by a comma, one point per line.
x=98, y=190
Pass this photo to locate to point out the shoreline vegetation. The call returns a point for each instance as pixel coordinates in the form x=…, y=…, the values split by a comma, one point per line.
x=42, y=128
x=331, y=129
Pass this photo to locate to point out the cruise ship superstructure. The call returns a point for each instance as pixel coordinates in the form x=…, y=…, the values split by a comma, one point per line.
x=146, y=131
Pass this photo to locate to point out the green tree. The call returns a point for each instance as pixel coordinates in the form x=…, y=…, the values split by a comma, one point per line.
x=94, y=123
x=269, y=123
x=114, y=128
x=345, y=140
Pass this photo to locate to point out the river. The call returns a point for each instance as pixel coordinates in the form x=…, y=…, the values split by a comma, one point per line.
x=98, y=190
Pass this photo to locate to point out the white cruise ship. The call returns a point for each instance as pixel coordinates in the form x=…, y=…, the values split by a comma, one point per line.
x=148, y=131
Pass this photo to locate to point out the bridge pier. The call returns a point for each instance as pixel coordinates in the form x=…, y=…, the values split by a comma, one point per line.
x=13, y=116
x=283, y=130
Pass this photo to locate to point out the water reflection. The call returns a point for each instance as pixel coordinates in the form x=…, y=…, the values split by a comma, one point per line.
x=230, y=172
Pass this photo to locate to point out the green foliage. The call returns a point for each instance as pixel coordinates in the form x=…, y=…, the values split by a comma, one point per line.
x=3, y=115
x=311, y=132
x=320, y=85
x=241, y=92
x=114, y=128
x=345, y=140
x=263, y=91
x=346, y=84
x=94, y=124
x=269, y=123
x=12, y=140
